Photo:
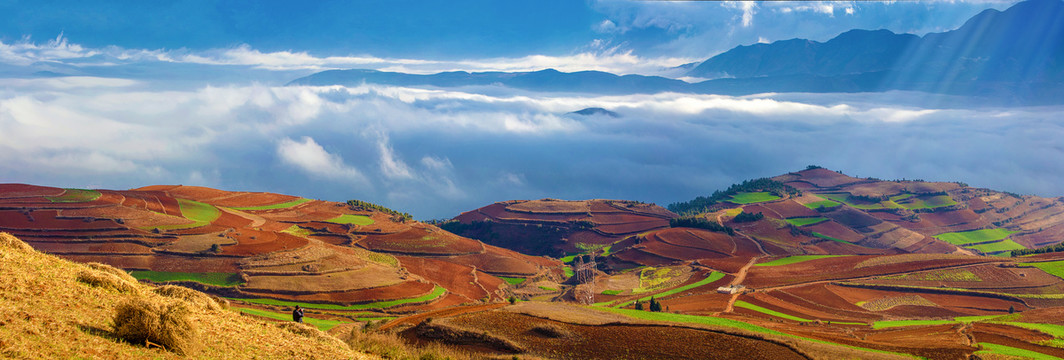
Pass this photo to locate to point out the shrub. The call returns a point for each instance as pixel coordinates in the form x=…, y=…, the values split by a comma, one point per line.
x=106, y=280
x=748, y=217
x=191, y=296
x=164, y=323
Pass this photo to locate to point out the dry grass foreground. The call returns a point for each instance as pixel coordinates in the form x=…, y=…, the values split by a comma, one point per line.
x=55, y=309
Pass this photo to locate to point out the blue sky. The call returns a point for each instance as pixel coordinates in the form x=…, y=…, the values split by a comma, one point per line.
x=192, y=92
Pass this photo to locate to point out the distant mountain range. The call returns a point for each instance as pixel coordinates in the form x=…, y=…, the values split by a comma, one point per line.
x=1014, y=56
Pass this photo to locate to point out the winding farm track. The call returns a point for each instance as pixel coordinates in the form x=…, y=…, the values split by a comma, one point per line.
x=448, y=312
x=256, y=221
x=741, y=275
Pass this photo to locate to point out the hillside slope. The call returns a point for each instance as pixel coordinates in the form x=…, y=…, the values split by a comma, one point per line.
x=47, y=312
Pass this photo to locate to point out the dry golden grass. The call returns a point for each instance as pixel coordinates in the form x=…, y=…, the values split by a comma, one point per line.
x=46, y=313
x=391, y=346
x=106, y=280
x=193, y=297
x=122, y=274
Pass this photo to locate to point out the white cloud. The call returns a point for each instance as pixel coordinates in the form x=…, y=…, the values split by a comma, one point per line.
x=313, y=159
x=391, y=166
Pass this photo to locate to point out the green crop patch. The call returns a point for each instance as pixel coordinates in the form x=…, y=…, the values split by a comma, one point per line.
x=825, y=237
x=513, y=280
x=795, y=259
x=939, y=275
x=202, y=214
x=975, y=236
x=997, y=247
x=823, y=204
x=436, y=293
x=568, y=271
x=848, y=199
x=360, y=220
x=283, y=205
x=612, y=292
x=806, y=221
x=898, y=323
x=210, y=278
x=1055, y=268
x=752, y=197
x=990, y=348
x=770, y=312
x=714, y=276
x=321, y=324
x=547, y=288
x=75, y=196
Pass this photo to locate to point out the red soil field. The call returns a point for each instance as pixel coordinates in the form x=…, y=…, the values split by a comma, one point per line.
x=789, y=208
x=822, y=178
x=699, y=239
x=48, y=219
x=10, y=191
x=631, y=228
x=614, y=341
x=91, y=248
x=499, y=262
x=419, y=241
x=263, y=242
x=458, y=279
x=550, y=206
x=835, y=230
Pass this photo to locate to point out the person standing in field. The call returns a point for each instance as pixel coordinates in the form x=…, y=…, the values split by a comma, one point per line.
x=297, y=314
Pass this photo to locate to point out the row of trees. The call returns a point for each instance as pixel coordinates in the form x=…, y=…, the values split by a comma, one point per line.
x=700, y=223
x=359, y=205
x=655, y=306
x=701, y=204
x=1041, y=250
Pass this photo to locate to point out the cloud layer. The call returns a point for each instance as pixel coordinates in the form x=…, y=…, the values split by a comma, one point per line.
x=436, y=153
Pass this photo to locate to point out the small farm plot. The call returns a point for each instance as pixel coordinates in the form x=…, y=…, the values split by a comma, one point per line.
x=803, y=221
x=823, y=204
x=923, y=202
x=1001, y=247
x=283, y=205
x=887, y=303
x=210, y=278
x=752, y=197
x=361, y=220
x=1055, y=268
x=975, y=236
x=795, y=259
x=75, y=196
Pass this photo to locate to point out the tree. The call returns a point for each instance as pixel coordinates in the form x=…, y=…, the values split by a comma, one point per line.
x=513, y=300
x=638, y=305
x=654, y=305
x=1012, y=309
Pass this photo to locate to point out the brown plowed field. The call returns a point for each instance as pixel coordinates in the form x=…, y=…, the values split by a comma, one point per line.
x=418, y=241
x=615, y=341
x=993, y=333
x=632, y=228
x=835, y=230
x=550, y=206
x=92, y=248
x=497, y=261
x=457, y=278
x=251, y=242
x=10, y=191
x=823, y=178
x=790, y=208
x=666, y=250
x=252, y=200
x=47, y=219
x=638, y=256
x=700, y=239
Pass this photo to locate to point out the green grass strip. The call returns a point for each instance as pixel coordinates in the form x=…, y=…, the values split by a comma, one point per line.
x=568, y=271
x=714, y=276
x=715, y=321
x=201, y=213
x=775, y=313
x=806, y=221
x=1055, y=330
x=976, y=318
x=822, y=236
x=795, y=259
x=548, y=288
x=752, y=197
x=1055, y=268
x=210, y=278
x=352, y=219
x=1011, y=351
x=897, y=323
x=283, y=205
x=612, y=292
x=513, y=280
x=771, y=312
x=822, y=204
x=974, y=236
x=1003, y=245
x=75, y=196
x=436, y=292
x=323, y=325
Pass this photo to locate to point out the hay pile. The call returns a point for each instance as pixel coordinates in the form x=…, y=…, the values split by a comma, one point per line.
x=156, y=321
x=191, y=296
